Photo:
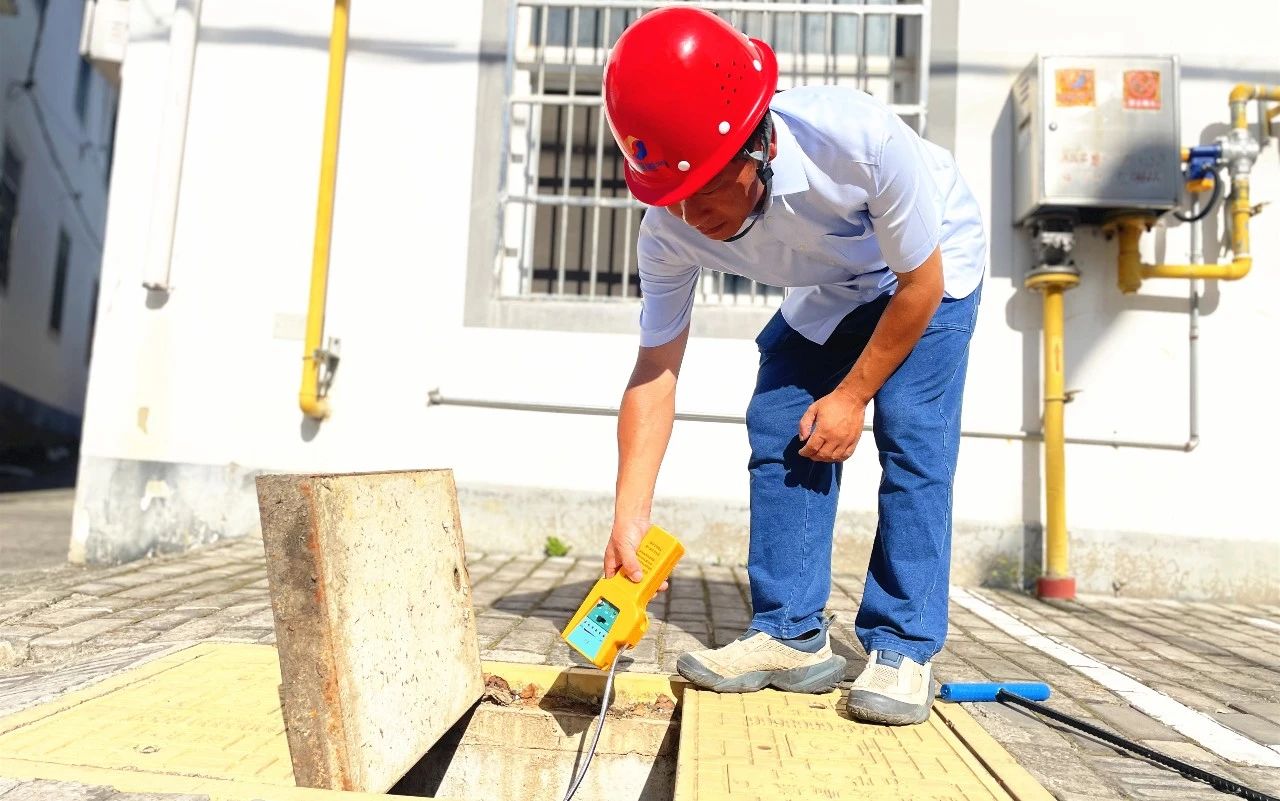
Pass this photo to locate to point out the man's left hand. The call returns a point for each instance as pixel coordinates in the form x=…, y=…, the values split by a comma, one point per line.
x=831, y=427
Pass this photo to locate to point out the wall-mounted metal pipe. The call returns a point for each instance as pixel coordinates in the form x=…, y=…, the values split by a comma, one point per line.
x=1238, y=152
x=1132, y=271
x=1242, y=93
x=1056, y=543
x=1052, y=282
x=314, y=357
x=437, y=398
x=171, y=148
x=1193, y=336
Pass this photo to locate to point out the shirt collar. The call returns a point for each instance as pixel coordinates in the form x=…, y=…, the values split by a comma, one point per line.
x=788, y=169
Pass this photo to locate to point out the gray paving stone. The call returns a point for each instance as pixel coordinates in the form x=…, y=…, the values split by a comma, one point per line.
x=1185, y=751
x=693, y=628
x=194, y=630
x=41, y=790
x=1132, y=723
x=957, y=672
x=1266, y=780
x=1255, y=728
x=28, y=686
x=20, y=608
x=1002, y=669
x=505, y=655
x=1060, y=769
x=131, y=635
x=529, y=641
x=1268, y=710
x=76, y=634
x=23, y=633
x=13, y=653
x=148, y=591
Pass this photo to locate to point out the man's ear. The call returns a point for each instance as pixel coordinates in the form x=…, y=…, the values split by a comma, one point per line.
x=773, y=148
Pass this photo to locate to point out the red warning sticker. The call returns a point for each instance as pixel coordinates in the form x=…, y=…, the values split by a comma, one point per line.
x=1142, y=89
x=1075, y=87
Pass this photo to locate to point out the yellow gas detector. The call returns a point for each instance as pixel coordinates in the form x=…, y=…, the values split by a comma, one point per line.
x=613, y=615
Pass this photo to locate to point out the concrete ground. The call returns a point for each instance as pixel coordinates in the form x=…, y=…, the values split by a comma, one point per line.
x=35, y=527
x=1215, y=665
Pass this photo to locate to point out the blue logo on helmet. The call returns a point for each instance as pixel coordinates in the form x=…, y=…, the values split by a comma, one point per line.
x=640, y=152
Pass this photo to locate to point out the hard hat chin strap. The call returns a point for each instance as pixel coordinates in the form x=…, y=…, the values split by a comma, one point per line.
x=764, y=170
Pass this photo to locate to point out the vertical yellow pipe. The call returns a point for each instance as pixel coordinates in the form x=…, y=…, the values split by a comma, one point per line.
x=309, y=397
x=1055, y=471
x=1240, y=213
x=1129, y=274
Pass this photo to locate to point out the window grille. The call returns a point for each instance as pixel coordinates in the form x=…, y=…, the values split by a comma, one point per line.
x=568, y=224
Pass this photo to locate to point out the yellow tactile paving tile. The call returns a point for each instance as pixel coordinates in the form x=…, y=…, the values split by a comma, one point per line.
x=773, y=746
x=204, y=720
x=213, y=713
x=207, y=720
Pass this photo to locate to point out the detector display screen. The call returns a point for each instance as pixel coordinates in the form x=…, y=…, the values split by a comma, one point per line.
x=590, y=634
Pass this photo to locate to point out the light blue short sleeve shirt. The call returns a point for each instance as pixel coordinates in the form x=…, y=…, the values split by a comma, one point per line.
x=857, y=197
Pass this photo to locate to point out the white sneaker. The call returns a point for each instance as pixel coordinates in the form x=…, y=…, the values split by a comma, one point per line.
x=892, y=690
x=757, y=660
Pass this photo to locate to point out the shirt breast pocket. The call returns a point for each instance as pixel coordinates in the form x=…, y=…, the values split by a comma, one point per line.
x=855, y=247
x=856, y=229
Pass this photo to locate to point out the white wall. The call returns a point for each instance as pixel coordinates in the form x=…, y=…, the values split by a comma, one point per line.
x=1128, y=356
x=211, y=377
x=48, y=367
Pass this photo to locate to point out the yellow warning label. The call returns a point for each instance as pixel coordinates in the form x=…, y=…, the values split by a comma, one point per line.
x=1075, y=87
x=1142, y=89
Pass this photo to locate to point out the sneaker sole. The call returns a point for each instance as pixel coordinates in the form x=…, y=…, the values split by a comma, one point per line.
x=818, y=678
x=870, y=707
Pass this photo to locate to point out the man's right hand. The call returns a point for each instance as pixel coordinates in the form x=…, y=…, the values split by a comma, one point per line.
x=620, y=553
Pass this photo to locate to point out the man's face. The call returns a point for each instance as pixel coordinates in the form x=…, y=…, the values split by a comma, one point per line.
x=721, y=206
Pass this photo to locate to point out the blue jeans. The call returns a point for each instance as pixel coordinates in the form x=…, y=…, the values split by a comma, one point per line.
x=793, y=499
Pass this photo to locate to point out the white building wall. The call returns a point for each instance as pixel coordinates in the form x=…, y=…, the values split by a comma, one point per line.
x=46, y=368
x=192, y=396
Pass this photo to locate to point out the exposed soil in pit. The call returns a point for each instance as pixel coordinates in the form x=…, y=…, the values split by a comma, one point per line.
x=499, y=692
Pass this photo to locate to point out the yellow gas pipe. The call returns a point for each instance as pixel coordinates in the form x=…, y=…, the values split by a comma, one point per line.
x=1129, y=227
x=1056, y=581
x=314, y=359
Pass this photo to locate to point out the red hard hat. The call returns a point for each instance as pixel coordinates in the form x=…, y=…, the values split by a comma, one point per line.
x=683, y=91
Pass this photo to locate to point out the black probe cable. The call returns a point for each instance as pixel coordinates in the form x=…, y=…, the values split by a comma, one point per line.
x=604, y=707
x=1208, y=207
x=1220, y=783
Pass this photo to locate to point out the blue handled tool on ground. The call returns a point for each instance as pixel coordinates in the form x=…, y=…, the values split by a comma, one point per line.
x=613, y=619
x=1028, y=694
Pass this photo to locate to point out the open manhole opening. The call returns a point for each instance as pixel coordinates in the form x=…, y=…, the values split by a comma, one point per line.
x=527, y=739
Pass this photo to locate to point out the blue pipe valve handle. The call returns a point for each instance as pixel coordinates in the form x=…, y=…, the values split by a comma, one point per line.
x=986, y=691
x=1202, y=161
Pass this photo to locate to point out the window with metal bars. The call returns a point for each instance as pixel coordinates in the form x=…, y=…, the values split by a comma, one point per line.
x=568, y=223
